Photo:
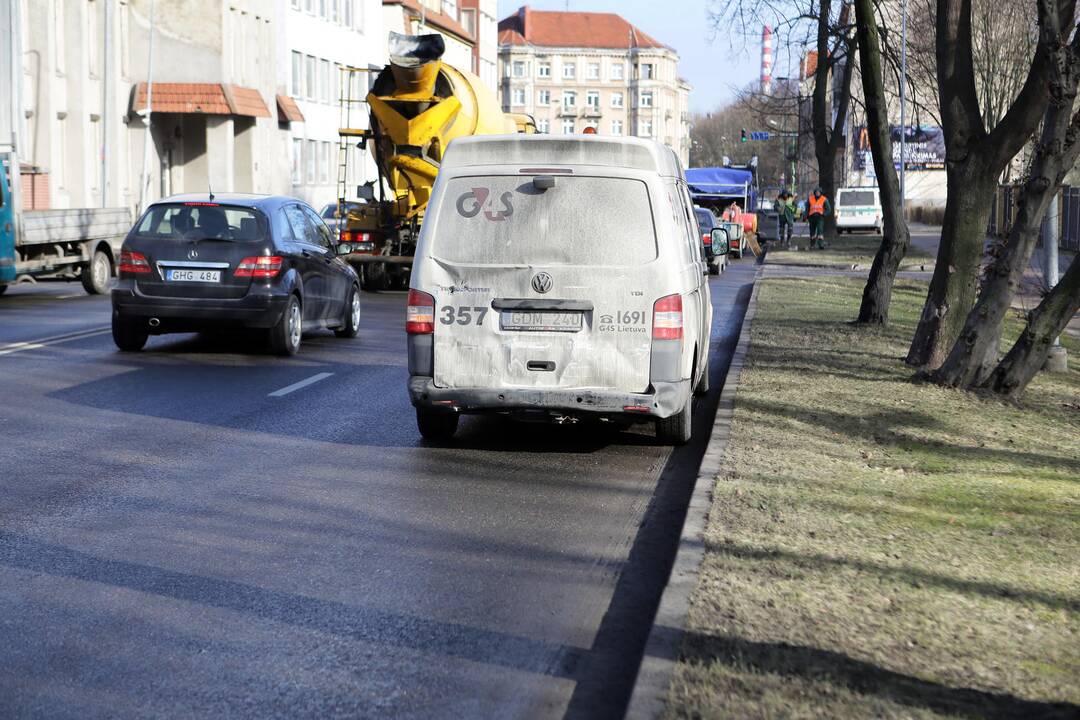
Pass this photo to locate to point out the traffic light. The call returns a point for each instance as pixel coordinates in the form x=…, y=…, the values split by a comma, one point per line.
x=743, y=138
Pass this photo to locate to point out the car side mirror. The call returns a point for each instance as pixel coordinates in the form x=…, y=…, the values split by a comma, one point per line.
x=720, y=241
x=343, y=248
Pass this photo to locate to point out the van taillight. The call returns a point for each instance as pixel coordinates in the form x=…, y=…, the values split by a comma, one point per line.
x=259, y=267
x=420, y=315
x=133, y=262
x=706, y=238
x=667, y=318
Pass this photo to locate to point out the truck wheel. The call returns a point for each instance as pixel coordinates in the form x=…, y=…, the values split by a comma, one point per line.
x=435, y=425
x=285, y=336
x=3, y=289
x=376, y=279
x=97, y=273
x=675, y=430
x=129, y=335
x=351, y=326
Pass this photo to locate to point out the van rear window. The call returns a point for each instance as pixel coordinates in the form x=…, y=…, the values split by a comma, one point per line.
x=505, y=220
x=202, y=221
x=849, y=198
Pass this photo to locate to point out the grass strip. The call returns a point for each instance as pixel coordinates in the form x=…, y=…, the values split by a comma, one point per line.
x=845, y=251
x=878, y=547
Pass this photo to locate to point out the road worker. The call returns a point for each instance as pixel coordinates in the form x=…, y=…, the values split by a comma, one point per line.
x=817, y=209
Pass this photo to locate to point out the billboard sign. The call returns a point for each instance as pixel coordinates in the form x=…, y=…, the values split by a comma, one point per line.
x=924, y=148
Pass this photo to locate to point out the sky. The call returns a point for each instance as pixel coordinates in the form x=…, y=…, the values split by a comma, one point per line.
x=715, y=67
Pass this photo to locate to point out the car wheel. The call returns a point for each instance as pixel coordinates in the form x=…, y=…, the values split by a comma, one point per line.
x=129, y=335
x=97, y=273
x=351, y=326
x=436, y=425
x=675, y=430
x=285, y=335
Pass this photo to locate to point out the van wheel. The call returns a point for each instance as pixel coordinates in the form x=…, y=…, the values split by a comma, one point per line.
x=435, y=425
x=351, y=326
x=284, y=337
x=129, y=335
x=675, y=430
x=96, y=274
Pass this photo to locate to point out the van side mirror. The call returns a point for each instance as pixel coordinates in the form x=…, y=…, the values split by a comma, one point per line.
x=720, y=241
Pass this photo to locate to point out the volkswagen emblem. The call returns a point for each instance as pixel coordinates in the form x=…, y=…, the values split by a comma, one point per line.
x=192, y=254
x=541, y=282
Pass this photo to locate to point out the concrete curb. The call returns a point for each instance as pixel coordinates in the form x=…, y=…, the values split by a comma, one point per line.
x=662, y=646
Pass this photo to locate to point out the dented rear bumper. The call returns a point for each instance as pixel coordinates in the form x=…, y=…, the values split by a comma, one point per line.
x=666, y=399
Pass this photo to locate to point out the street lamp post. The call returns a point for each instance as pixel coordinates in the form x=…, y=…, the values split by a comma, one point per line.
x=903, y=105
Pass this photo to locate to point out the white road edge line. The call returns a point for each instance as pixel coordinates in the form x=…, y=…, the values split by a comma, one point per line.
x=300, y=385
x=56, y=339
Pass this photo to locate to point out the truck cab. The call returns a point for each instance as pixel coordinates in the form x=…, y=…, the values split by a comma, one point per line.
x=7, y=233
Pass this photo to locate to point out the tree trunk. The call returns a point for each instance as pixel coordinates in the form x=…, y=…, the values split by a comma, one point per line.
x=975, y=353
x=894, y=243
x=974, y=160
x=829, y=138
x=955, y=280
x=1046, y=322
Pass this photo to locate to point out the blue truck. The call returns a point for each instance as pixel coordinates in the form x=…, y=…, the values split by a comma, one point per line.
x=78, y=244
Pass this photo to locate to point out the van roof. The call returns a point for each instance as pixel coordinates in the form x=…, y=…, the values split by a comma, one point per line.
x=544, y=150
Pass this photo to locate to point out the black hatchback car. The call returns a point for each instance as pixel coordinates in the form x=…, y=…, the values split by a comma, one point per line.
x=194, y=263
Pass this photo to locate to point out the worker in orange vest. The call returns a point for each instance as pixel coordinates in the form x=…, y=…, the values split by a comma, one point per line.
x=817, y=209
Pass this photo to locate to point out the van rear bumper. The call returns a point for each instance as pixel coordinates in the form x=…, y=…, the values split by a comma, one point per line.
x=667, y=399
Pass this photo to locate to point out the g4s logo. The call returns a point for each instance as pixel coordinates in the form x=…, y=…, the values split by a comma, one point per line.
x=473, y=202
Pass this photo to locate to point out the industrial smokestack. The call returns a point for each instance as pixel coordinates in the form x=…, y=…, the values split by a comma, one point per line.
x=766, y=60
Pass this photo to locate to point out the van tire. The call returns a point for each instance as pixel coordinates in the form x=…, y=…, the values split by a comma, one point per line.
x=675, y=430
x=129, y=335
x=435, y=425
x=96, y=274
x=283, y=338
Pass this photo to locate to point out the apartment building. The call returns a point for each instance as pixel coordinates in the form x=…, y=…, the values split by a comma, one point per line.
x=480, y=18
x=319, y=39
x=573, y=70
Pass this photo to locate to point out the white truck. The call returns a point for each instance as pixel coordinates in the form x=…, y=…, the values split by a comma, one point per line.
x=77, y=244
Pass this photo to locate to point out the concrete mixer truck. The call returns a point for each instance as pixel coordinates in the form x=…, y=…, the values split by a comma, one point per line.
x=418, y=104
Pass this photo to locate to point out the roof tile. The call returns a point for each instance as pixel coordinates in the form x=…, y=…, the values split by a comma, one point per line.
x=572, y=29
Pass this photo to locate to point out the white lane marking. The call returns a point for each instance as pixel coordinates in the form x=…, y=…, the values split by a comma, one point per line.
x=68, y=297
x=12, y=348
x=302, y=384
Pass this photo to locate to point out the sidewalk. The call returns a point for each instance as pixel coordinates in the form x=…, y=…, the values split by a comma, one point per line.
x=873, y=547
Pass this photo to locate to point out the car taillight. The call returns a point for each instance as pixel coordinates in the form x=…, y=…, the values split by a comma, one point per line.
x=133, y=262
x=667, y=318
x=420, y=316
x=706, y=238
x=259, y=267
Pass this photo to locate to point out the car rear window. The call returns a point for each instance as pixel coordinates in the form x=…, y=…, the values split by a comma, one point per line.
x=706, y=220
x=505, y=220
x=857, y=197
x=202, y=221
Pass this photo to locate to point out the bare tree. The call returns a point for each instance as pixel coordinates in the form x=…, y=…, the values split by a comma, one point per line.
x=975, y=352
x=975, y=159
x=895, y=237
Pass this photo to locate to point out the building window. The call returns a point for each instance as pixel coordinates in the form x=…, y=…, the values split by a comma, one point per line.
x=594, y=71
x=347, y=13
x=335, y=8
x=519, y=68
x=296, y=6
x=324, y=166
x=297, y=161
x=92, y=33
x=518, y=97
x=648, y=71
x=616, y=127
x=568, y=126
x=335, y=84
x=312, y=161
x=322, y=8
x=618, y=71
x=309, y=5
x=544, y=97
x=468, y=21
x=544, y=70
x=310, y=89
x=569, y=99
x=646, y=100
x=569, y=70
x=297, y=87
x=324, y=80
x=646, y=129
x=543, y=125
x=616, y=99
x=592, y=99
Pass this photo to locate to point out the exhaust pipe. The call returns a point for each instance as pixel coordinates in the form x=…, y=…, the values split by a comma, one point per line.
x=154, y=322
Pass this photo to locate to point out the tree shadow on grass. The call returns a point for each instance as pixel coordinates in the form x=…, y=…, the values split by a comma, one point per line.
x=865, y=678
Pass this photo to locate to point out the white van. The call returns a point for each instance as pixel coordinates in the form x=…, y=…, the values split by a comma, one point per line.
x=858, y=208
x=559, y=277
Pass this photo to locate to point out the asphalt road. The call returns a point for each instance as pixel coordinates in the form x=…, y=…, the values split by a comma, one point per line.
x=184, y=532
